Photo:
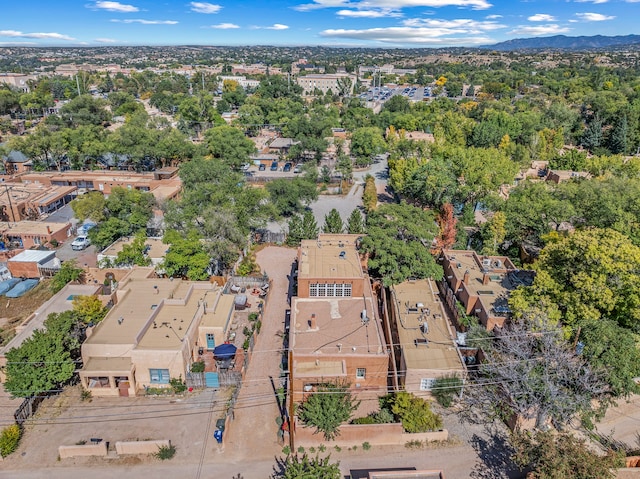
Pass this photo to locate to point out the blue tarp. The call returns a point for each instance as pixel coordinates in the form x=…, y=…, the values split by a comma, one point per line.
x=21, y=288
x=8, y=284
x=224, y=351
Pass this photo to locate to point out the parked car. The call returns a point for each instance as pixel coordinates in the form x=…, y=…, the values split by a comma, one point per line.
x=80, y=243
x=287, y=166
x=262, y=167
x=274, y=166
x=297, y=169
x=83, y=230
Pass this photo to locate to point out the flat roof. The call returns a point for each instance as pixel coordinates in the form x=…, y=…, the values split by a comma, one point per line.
x=27, y=227
x=107, y=365
x=40, y=195
x=320, y=368
x=497, y=269
x=157, y=249
x=152, y=313
x=338, y=322
x=33, y=256
x=329, y=258
x=415, y=303
x=219, y=312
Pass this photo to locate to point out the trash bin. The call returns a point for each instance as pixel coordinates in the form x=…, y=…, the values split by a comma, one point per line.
x=217, y=434
x=220, y=424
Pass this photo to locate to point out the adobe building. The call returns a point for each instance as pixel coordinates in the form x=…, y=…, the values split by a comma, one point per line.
x=20, y=201
x=29, y=234
x=422, y=336
x=155, y=250
x=324, y=82
x=335, y=332
x=33, y=264
x=153, y=333
x=482, y=284
x=165, y=181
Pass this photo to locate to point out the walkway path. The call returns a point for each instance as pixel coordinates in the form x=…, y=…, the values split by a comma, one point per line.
x=253, y=432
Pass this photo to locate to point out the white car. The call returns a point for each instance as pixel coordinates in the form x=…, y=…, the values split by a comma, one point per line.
x=80, y=243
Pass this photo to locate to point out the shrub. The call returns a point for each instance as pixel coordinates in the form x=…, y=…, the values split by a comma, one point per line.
x=253, y=316
x=366, y=446
x=414, y=412
x=85, y=395
x=286, y=450
x=364, y=420
x=197, y=367
x=300, y=450
x=445, y=389
x=178, y=385
x=165, y=452
x=9, y=439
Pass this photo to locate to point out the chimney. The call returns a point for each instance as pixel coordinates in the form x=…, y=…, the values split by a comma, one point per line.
x=313, y=324
x=155, y=289
x=485, y=278
x=467, y=277
x=48, y=229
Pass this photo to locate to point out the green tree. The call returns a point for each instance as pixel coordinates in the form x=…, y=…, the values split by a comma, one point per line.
x=186, y=256
x=415, y=413
x=9, y=439
x=493, y=233
x=133, y=254
x=295, y=467
x=230, y=145
x=89, y=309
x=365, y=143
x=333, y=223
x=398, y=240
x=68, y=272
x=355, y=223
x=290, y=196
x=446, y=388
x=591, y=274
x=370, y=194
x=326, y=409
x=91, y=205
x=551, y=455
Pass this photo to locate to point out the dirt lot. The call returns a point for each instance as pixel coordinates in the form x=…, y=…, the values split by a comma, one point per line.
x=15, y=310
x=67, y=419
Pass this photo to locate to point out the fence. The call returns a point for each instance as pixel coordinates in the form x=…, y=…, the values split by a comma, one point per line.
x=267, y=236
x=27, y=409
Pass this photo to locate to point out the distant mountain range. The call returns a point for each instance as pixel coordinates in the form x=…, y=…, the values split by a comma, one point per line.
x=563, y=42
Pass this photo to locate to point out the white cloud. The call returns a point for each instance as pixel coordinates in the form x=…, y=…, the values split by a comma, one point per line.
x=541, y=17
x=47, y=36
x=536, y=30
x=204, y=7
x=277, y=26
x=493, y=17
x=594, y=17
x=105, y=40
x=224, y=26
x=594, y=1
x=115, y=7
x=146, y=22
x=408, y=35
x=393, y=4
x=16, y=44
x=381, y=13
x=460, y=25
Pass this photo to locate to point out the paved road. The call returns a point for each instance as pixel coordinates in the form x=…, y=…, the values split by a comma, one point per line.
x=346, y=204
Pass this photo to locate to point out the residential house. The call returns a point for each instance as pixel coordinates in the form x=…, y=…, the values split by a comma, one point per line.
x=335, y=332
x=154, y=249
x=16, y=162
x=28, y=234
x=481, y=283
x=558, y=176
x=153, y=333
x=20, y=201
x=422, y=337
x=17, y=81
x=33, y=264
x=281, y=146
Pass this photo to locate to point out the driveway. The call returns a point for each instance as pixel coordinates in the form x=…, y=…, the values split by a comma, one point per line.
x=252, y=435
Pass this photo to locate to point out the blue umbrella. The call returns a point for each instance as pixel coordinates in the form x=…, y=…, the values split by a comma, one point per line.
x=224, y=351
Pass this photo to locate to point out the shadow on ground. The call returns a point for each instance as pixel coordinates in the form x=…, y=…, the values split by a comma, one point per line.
x=494, y=453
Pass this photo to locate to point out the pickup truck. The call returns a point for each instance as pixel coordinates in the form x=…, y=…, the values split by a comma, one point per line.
x=80, y=243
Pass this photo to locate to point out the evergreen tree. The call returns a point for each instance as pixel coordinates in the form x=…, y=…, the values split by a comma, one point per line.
x=309, y=225
x=355, y=223
x=333, y=223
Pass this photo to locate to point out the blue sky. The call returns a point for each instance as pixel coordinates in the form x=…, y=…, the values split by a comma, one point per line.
x=373, y=23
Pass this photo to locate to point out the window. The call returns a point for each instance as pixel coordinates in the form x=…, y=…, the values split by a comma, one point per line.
x=159, y=376
x=331, y=290
x=426, y=384
x=361, y=373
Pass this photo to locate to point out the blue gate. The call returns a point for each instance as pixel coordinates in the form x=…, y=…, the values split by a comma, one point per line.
x=211, y=380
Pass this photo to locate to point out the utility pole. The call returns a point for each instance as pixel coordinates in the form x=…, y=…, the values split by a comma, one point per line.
x=78, y=84
x=13, y=215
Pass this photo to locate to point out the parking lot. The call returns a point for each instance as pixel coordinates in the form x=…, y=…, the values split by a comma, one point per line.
x=382, y=94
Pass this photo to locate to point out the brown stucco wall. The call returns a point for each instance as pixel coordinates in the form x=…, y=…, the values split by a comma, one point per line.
x=83, y=450
x=141, y=447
